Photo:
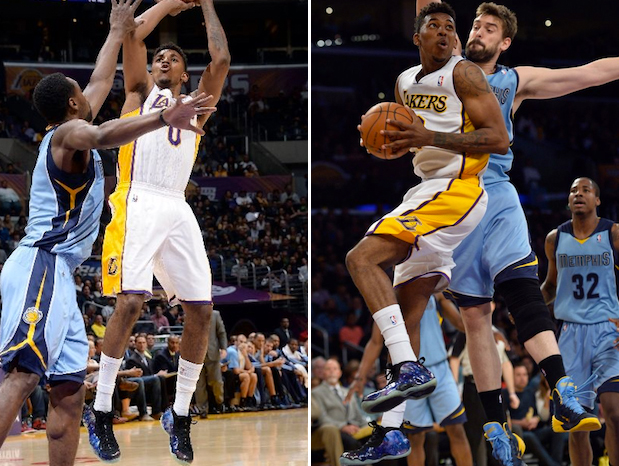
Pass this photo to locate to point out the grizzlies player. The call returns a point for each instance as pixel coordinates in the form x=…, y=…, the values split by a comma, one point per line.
x=42, y=331
x=498, y=250
x=582, y=280
x=153, y=229
x=436, y=215
x=443, y=406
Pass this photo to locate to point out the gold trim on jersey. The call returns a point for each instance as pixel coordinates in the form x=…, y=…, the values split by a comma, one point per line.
x=126, y=153
x=472, y=164
x=114, y=242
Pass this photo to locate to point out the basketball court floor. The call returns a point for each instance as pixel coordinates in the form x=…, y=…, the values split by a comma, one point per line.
x=274, y=438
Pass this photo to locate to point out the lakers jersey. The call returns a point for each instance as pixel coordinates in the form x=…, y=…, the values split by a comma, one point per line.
x=163, y=158
x=434, y=99
x=65, y=208
x=504, y=84
x=586, y=275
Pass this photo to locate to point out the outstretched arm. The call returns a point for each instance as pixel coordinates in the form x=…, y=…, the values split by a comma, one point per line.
x=214, y=76
x=549, y=287
x=546, y=83
x=153, y=16
x=102, y=78
x=78, y=135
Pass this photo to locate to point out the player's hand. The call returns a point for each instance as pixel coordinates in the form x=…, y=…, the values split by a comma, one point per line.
x=616, y=322
x=180, y=114
x=122, y=16
x=514, y=401
x=356, y=387
x=407, y=136
x=178, y=6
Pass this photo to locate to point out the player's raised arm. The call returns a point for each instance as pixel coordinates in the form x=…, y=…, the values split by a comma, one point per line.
x=545, y=83
x=153, y=16
x=121, y=22
x=214, y=76
x=549, y=287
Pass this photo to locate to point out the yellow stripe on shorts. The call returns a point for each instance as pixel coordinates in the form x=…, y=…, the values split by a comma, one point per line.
x=446, y=208
x=114, y=243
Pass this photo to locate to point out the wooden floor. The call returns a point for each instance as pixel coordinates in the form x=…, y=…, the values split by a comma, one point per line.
x=273, y=438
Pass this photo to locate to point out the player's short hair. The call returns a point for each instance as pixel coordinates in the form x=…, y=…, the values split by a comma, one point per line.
x=51, y=96
x=431, y=9
x=507, y=17
x=596, y=188
x=176, y=48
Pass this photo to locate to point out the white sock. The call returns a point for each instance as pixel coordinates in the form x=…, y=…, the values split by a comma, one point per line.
x=391, y=324
x=108, y=370
x=394, y=417
x=188, y=375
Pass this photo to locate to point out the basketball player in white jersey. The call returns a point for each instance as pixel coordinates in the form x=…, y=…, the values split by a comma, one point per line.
x=460, y=112
x=153, y=229
x=42, y=332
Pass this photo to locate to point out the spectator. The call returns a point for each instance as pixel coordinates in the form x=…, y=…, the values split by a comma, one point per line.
x=97, y=327
x=167, y=359
x=283, y=331
x=10, y=201
x=240, y=270
x=159, y=319
x=211, y=371
x=329, y=396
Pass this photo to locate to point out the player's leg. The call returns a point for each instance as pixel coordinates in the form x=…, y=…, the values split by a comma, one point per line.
x=610, y=405
x=581, y=453
x=459, y=445
x=66, y=401
x=14, y=390
x=417, y=456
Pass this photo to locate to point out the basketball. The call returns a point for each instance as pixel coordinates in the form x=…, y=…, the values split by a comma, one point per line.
x=375, y=120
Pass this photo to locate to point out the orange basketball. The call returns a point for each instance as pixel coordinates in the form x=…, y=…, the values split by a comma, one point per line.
x=375, y=120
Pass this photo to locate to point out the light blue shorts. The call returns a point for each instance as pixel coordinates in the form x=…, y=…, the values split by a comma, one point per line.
x=42, y=330
x=443, y=406
x=501, y=240
x=588, y=348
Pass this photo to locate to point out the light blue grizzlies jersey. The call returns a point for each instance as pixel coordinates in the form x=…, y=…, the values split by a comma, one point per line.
x=432, y=346
x=586, y=275
x=65, y=208
x=504, y=84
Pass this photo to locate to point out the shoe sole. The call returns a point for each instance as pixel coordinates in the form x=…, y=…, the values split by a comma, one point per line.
x=588, y=424
x=390, y=401
x=351, y=462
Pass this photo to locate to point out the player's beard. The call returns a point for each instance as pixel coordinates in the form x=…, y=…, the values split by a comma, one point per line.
x=479, y=55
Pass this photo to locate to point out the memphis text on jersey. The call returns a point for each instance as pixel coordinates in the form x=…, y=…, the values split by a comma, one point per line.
x=583, y=260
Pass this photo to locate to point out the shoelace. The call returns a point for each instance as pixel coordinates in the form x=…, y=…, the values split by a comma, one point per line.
x=105, y=432
x=182, y=427
x=501, y=447
x=393, y=371
x=574, y=392
x=378, y=434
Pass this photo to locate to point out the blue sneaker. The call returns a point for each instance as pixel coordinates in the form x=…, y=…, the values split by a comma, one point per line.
x=406, y=380
x=385, y=443
x=177, y=428
x=507, y=447
x=100, y=434
x=569, y=415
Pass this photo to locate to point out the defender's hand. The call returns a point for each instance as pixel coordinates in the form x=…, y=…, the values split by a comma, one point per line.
x=181, y=113
x=122, y=15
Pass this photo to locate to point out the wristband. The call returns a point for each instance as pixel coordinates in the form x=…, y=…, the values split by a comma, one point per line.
x=161, y=119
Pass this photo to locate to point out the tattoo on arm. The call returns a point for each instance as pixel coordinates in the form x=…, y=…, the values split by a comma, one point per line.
x=457, y=141
x=217, y=41
x=470, y=80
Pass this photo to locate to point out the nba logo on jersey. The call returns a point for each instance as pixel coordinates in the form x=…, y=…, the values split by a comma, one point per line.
x=393, y=320
x=440, y=80
x=599, y=238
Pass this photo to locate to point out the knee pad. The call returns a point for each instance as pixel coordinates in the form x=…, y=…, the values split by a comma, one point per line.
x=525, y=303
